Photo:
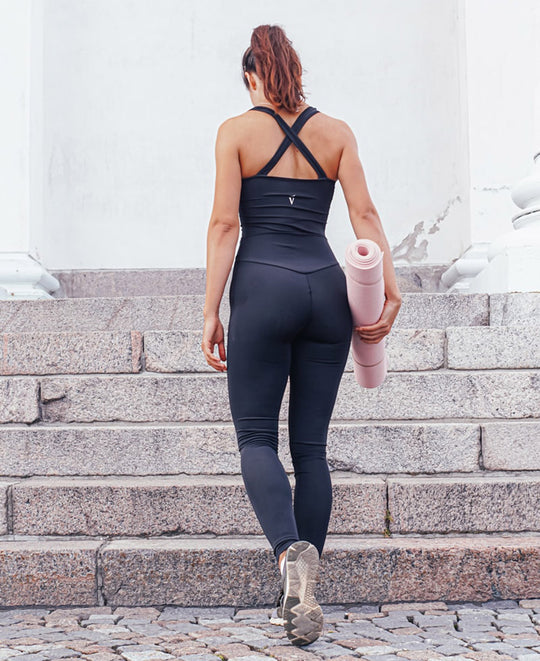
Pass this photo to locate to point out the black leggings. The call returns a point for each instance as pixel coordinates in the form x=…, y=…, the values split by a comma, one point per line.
x=284, y=322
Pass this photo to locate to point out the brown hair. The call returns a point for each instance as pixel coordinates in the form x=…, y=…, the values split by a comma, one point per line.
x=272, y=57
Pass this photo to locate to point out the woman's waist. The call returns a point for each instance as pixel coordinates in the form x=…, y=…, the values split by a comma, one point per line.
x=299, y=252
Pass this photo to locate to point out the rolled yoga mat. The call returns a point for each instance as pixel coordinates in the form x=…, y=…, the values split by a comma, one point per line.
x=365, y=291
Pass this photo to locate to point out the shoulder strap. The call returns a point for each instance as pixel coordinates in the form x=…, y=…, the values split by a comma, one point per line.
x=298, y=123
x=291, y=136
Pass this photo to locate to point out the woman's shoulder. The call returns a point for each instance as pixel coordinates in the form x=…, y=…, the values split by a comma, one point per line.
x=235, y=124
x=334, y=123
x=241, y=124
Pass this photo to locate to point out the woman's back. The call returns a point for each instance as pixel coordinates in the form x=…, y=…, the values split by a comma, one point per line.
x=283, y=217
x=259, y=135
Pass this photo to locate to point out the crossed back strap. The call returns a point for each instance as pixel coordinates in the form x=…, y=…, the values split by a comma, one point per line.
x=291, y=135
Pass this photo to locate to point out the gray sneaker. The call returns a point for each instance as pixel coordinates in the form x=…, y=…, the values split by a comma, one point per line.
x=277, y=614
x=302, y=615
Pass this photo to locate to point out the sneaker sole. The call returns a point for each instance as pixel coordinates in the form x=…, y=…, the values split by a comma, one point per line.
x=302, y=614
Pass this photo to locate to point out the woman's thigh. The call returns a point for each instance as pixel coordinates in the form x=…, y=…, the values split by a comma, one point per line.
x=268, y=305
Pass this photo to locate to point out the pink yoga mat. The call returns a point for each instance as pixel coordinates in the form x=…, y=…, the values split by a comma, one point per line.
x=365, y=291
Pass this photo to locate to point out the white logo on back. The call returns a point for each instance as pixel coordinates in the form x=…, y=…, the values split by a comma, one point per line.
x=291, y=198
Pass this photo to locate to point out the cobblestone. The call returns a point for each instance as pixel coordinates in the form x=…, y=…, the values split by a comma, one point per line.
x=493, y=631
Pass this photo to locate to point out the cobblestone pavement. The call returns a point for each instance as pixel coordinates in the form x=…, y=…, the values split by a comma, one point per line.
x=419, y=631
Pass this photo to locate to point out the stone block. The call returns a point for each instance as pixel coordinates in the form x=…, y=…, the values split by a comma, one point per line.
x=18, y=399
x=514, y=309
x=189, y=572
x=439, y=310
x=472, y=504
x=67, y=352
x=493, y=347
x=118, y=449
x=442, y=394
x=512, y=445
x=135, y=282
x=38, y=572
x=113, y=313
x=406, y=447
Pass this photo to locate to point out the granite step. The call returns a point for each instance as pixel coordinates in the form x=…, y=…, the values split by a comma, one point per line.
x=219, y=505
x=179, y=351
x=120, y=474
x=382, y=447
x=141, y=313
x=242, y=572
x=151, y=282
x=158, y=312
x=427, y=395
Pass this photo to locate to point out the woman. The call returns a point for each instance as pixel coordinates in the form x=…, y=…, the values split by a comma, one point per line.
x=289, y=316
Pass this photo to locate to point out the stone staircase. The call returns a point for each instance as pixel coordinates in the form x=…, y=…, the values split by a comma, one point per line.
x=120, y=476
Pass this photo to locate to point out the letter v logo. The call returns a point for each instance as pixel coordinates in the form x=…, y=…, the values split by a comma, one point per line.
x=291, y=198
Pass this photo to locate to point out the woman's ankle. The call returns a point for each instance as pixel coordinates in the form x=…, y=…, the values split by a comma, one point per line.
x=281, y=560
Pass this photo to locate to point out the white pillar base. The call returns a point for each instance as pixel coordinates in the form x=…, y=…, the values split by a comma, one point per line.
x=514, y=264
x=458, y=278
x=22, y=277
x=511, y=263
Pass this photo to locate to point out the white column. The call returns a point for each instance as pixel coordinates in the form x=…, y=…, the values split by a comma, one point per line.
x=21, y=166
x=503, y=100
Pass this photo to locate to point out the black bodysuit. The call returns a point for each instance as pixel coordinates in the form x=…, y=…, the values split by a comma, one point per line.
x=289, y=318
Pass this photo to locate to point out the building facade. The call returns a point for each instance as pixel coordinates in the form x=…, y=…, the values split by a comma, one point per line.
x=110, y=112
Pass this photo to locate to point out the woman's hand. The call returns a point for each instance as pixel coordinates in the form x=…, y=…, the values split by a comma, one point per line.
x=375, y=333
x=213, y=334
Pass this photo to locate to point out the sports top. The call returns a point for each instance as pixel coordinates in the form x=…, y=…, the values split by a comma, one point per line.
x=283, y=219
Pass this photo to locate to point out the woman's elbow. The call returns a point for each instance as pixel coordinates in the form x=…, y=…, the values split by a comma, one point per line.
x=367, y=216
x=224, y=225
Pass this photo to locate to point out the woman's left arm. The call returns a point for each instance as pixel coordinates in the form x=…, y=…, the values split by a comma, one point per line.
x=222, y=237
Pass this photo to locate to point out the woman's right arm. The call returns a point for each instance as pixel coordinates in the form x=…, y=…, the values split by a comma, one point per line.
x=367, y=225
